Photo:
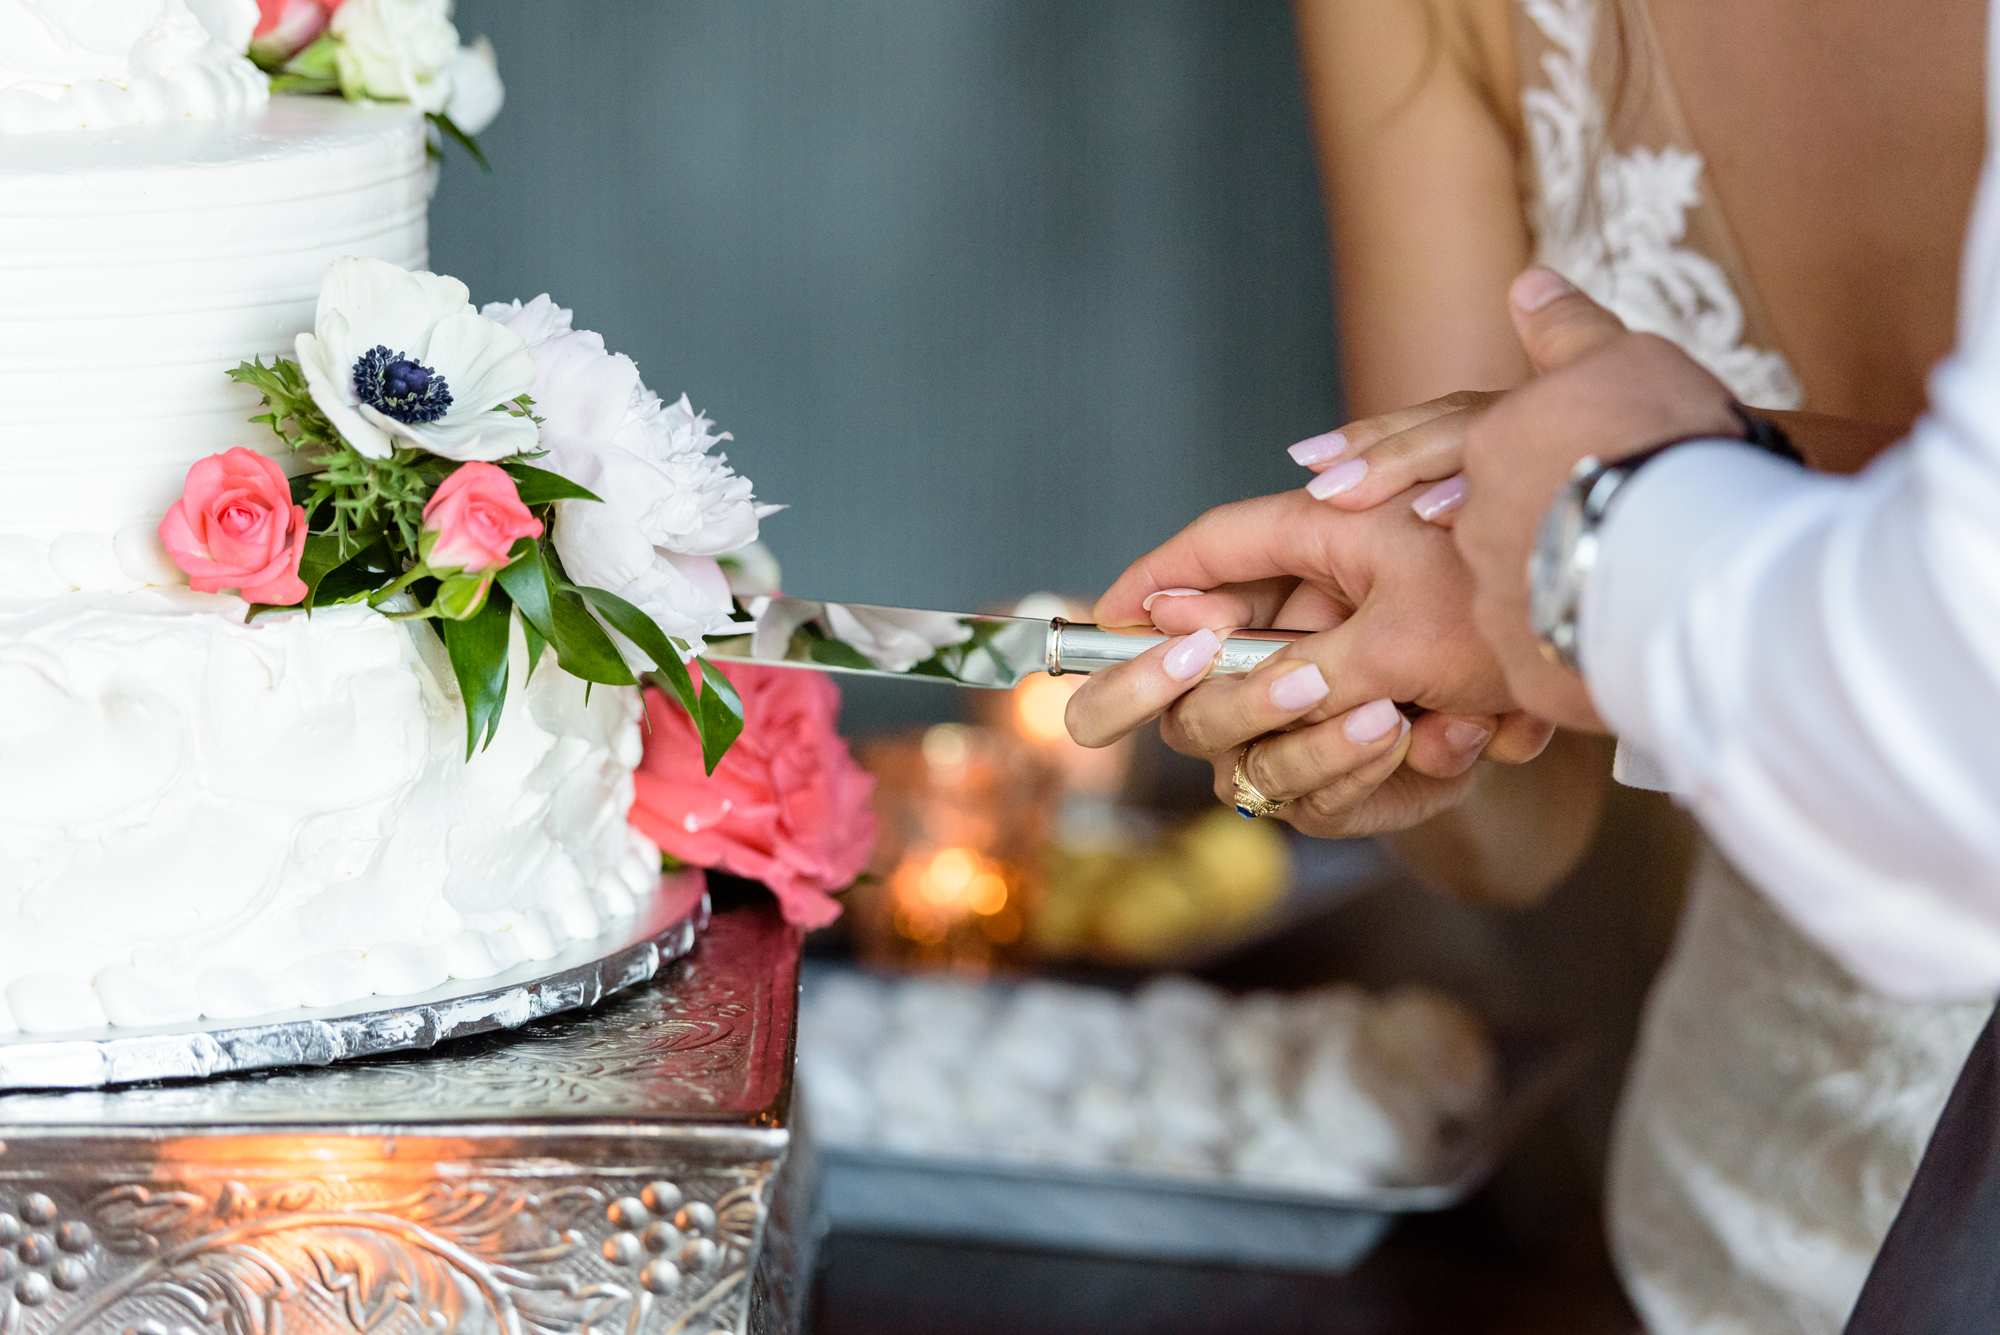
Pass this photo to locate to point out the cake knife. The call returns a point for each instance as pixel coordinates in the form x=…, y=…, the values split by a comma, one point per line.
x=963, y=649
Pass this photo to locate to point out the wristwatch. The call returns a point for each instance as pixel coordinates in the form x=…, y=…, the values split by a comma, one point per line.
x=1566, y=543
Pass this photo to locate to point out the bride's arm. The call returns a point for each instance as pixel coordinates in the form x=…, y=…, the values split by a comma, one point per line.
x=1415, y=104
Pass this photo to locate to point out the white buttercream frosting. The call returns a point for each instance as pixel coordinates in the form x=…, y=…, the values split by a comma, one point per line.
x=138, y=266
x=76, y=64
x=201, y=817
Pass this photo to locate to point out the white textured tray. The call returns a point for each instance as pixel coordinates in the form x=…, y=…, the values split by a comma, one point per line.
x=579, y=976
x=1217, y=1222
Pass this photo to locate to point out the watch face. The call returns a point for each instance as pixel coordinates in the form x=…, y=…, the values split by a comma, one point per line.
x=1550, y=595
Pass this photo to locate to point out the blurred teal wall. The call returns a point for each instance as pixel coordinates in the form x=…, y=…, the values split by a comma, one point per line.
x=995, y=294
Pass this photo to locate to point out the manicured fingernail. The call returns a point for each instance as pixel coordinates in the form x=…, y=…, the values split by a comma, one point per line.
x=1442, y=499
x=1191, y=655
x=1318, y=449
x=1339, y=478
x=1298, y=688
x=1147, y=605
x=1463, y=736
x=1371, y=722
x=1537, y=288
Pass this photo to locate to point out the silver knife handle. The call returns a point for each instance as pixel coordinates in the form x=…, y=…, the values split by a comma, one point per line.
x=1074, y=647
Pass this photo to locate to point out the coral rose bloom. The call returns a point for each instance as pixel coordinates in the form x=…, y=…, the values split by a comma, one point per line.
x=787, y=806
x=477, y=514
x=235, y=527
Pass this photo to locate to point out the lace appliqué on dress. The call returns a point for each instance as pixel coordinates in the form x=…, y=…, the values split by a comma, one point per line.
x=1621, y=241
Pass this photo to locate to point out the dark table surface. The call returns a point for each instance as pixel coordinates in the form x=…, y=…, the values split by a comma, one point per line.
x=1462, y=1272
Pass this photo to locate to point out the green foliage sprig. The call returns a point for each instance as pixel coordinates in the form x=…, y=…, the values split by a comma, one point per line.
x=315, y=69
x=365, y=542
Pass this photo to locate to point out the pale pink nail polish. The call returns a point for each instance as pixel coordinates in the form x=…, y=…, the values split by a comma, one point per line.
x=1339, y=478
x=1194, y=653
x=1537, y=288
x=1297, y=689
x=1318, y=449
x=1147, y=605
x=1371, y=722
x=1462, y=736
x=1442, y=499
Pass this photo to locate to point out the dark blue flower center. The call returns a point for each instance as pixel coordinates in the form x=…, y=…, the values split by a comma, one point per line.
x=397, y=387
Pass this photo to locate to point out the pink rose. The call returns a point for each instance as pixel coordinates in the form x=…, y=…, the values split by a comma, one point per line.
x=235, y=527
x=477, y=515
x=287, y=27
x=787, y=806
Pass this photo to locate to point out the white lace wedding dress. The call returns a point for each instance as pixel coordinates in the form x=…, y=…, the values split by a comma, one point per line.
x=1775, y=1109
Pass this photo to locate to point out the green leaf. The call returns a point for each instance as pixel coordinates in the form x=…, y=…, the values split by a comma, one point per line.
x=721, y=717
x=322, y=556
x=581, y=645
x=300, y=83
x=527, y=581
x=538, y=486
x=637, y=627
x=535, y=646
x=717, y=712
x=317, y=61
x=360, y=575
x=839, y=653
x=457, y=136
x=677, y=679
x=477, y=648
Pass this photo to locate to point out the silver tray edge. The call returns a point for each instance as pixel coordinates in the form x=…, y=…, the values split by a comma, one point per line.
x=575, y=978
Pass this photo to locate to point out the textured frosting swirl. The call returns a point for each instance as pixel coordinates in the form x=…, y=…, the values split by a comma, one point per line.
x=204, y=818
x=75, y=64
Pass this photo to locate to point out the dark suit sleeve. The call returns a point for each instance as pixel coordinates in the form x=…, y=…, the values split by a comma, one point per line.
x=1939, y=1269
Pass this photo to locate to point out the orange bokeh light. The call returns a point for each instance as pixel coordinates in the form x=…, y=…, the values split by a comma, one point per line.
x=1039, y=703
x=935, y=890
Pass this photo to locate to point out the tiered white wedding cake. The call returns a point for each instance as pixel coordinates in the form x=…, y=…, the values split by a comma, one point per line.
x=201, y=817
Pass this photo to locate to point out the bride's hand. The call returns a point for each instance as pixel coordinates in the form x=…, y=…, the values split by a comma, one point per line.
x=1390, y=601
x=1367, y=462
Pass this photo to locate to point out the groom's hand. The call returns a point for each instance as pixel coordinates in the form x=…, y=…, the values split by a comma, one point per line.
x=1603, y=391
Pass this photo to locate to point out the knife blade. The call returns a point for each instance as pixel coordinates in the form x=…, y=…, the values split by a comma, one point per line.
x=952, y=648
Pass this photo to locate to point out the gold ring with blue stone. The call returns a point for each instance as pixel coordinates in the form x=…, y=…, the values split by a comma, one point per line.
x=1250, y=803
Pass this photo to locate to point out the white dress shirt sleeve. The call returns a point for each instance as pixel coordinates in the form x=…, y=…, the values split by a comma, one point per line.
x=1814, y=663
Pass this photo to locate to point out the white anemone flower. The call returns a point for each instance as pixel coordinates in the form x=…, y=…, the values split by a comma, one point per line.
x=400, y=355
x=669, y=505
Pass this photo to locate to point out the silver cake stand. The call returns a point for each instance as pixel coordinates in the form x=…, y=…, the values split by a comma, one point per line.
x=628, y=1169
x=581, y=975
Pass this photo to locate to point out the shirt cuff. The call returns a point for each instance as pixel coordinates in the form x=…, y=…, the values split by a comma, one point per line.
x=1679, y=513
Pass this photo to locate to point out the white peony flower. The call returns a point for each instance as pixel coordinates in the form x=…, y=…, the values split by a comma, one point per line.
x=476, y=92
x=894, y=639
x=753, y=571
x=669, y=506
x=395, y=50
x=395, y=354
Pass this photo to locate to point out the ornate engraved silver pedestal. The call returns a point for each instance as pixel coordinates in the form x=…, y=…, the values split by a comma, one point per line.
x=632, y=1169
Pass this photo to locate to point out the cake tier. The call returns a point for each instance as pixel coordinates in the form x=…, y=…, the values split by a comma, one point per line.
x=200, y=817
x=137, y=266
